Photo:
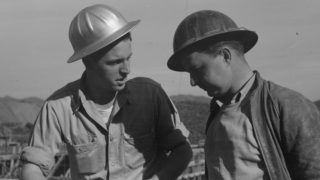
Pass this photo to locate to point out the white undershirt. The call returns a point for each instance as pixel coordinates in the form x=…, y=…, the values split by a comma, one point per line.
x=104, y=111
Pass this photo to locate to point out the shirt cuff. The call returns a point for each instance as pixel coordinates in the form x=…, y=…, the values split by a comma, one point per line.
x=39, y=157
x=175, y=138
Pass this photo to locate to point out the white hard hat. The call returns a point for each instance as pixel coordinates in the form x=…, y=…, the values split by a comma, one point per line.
x=95, y=27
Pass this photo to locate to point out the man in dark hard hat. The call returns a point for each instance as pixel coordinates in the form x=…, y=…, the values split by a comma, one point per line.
x=256, y=128
x=112, y=127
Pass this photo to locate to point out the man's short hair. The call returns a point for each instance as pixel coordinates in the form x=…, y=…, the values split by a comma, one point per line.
x=216, y=47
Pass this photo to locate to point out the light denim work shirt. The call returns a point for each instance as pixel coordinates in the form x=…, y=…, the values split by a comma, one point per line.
x=144, y=126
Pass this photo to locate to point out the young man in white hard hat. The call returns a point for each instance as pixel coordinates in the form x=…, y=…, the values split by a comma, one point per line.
x=259, y=130
x=112, y=127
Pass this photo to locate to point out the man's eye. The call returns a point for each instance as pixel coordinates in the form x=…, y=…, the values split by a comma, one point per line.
x=114, y=62
x=196, y=69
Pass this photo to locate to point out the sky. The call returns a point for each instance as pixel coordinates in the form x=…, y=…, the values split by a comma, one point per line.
x=35, y=45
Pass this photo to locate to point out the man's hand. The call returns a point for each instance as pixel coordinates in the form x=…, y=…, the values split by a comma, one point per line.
x=176, y=163
x=31, y=172
x=155, y=177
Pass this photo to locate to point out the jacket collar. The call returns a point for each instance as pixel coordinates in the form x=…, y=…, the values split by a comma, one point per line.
x=215, y=107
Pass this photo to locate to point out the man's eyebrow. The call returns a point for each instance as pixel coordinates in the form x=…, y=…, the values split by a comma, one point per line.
x=121, y=58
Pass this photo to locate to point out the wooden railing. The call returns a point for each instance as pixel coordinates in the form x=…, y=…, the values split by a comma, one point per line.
x=196, y=168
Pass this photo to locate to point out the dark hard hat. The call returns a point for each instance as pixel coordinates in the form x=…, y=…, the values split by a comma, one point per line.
x=95, y=27
x=207, y=25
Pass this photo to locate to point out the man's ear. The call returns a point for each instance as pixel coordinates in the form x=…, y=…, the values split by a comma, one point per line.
x=225, y=52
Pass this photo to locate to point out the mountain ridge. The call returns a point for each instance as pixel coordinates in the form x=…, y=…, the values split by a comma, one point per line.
x=19, y=110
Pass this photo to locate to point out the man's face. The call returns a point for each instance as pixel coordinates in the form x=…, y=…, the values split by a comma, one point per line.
x=111, y=67
x=210, y=73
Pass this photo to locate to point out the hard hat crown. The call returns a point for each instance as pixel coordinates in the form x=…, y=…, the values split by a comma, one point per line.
x=95, y=27
x=207, y=25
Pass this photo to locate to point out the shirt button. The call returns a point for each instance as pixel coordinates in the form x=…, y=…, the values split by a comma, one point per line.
x=113, y=163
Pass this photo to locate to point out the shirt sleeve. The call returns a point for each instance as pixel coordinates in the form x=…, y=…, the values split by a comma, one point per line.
x=45, y=140
x=177, y=122
x=170, y=129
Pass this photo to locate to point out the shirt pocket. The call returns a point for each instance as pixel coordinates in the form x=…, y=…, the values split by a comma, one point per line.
x=88, y=158
x=139, y=149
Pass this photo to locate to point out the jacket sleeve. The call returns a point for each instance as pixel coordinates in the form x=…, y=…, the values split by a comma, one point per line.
x=300, y=134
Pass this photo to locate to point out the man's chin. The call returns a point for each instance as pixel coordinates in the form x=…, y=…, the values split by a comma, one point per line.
x=209, y=93
x=214, y=95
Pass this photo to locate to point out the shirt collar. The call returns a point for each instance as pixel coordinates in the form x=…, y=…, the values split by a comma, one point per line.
x=80, y=97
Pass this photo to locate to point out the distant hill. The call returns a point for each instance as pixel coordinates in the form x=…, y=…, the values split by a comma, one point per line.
x=19, y=110
x=17, y=116
x=194, y=112
x=317, y=103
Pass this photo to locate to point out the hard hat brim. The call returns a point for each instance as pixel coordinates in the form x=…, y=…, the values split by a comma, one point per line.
x=103, y=42
x=246, y=37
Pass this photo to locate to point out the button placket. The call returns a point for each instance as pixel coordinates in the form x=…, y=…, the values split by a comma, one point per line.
x=114, y=143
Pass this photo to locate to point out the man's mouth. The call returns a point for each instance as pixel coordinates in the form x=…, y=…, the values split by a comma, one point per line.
x=121, y=80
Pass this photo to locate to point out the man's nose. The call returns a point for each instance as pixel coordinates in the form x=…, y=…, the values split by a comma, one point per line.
x=125, y=68
x=192, y=81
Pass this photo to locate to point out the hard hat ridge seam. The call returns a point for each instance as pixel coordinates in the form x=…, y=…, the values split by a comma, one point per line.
x=79, y=25
x=99, y=18
x=88, y=22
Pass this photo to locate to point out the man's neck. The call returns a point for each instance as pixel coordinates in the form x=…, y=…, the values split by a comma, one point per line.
x=239, y=82
x=99, y=94
x=240, y=77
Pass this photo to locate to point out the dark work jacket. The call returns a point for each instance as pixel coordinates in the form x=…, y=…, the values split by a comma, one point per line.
x=287, y=128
